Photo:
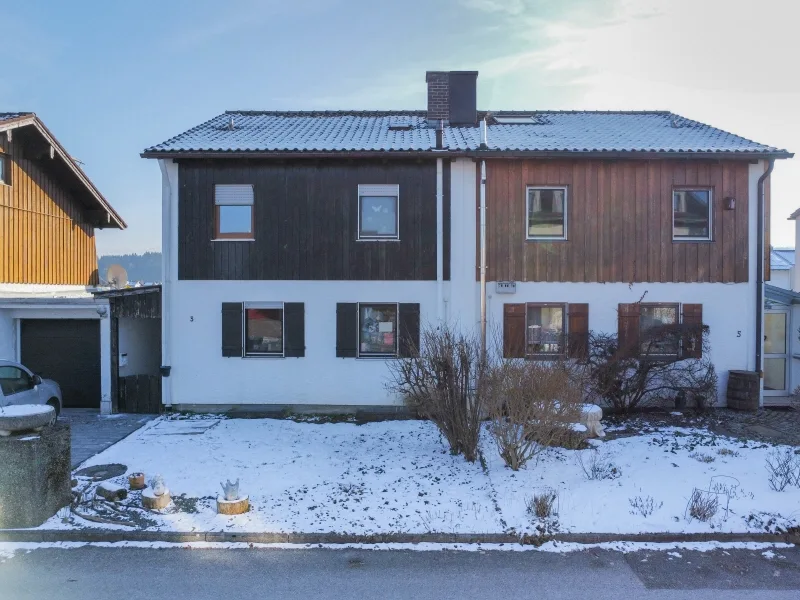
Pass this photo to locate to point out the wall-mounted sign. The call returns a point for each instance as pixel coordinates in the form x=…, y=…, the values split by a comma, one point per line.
x=506, y=287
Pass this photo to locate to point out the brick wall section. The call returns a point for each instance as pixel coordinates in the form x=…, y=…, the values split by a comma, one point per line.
x=438, y=95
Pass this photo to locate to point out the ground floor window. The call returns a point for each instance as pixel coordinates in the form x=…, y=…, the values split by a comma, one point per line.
x=545, y=331
x=377, y=329
x=263, y=330
x=657, y=334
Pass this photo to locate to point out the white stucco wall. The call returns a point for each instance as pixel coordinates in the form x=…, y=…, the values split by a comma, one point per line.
x=725, y=311
x=8, y=336
x=139, y=341
x=781, y=279
x=201, y=375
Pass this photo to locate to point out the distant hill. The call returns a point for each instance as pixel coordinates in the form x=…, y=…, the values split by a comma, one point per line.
x=140, y=267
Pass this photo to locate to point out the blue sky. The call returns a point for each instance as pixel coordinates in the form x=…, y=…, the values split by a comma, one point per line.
x=110, y=78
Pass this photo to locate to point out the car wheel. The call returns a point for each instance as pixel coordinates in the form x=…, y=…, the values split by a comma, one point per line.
x=56, y=406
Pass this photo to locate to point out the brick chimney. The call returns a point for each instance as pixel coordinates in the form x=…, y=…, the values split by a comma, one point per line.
x=452, y=97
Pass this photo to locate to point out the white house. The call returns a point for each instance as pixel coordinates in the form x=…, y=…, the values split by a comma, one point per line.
x=303, y=250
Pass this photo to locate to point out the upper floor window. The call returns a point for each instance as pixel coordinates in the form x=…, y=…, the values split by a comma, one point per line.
x=378, y=212
x=233, y=204
x=547, y=213
x=691, y=214
x=5, y=170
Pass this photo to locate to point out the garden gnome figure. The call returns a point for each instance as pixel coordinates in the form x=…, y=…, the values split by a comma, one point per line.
x=231, y=490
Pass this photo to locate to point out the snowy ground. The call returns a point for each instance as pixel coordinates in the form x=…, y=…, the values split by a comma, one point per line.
x=398, y=476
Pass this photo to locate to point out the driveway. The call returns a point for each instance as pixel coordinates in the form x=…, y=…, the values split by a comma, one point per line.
x=92, y=432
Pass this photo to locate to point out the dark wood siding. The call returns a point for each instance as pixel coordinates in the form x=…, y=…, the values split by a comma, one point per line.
x=619, y=222
x=45, y=236
x=305, y=222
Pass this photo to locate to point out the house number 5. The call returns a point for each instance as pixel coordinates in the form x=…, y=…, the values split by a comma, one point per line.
x=191, y=320
x=739, y=333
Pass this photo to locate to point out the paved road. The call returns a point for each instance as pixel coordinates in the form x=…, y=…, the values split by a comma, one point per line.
x=92, y=572
x=92, y=432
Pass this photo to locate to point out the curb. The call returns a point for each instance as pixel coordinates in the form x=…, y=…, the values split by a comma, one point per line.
x=177, y=537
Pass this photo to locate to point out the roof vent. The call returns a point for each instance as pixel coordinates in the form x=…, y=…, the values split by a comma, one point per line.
x=231, y=124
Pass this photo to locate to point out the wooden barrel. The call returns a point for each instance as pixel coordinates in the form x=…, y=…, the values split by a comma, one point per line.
x=743, y=390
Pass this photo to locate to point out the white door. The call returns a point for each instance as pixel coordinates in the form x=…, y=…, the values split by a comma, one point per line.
x=18, y=386
x=776, y=352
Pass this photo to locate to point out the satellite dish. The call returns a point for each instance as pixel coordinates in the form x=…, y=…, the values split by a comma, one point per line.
x=117, y=276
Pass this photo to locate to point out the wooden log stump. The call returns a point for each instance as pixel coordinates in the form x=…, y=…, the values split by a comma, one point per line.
x=136, y=481
x=233, y=507
x=153, y=502
x=111, y=491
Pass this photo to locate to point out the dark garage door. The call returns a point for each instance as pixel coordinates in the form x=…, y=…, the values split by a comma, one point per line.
x=68, y=352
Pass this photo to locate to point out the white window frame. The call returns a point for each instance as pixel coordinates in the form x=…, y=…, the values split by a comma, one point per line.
x=699, y=188
x=273, y=305
x=5, y=173
x=239, y=199
x=396, y=332
x=678, y=306
x=386, y=190
x=536, y=238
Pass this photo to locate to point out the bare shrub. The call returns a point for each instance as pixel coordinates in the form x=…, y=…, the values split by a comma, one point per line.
x=532, y=406
x=703, y=505
x=542, y=505
x=597, y=466
x=727, y=452
x=644, y=505
x=783, y=469
x=703, y=458
x=444, y=383
x=628, y=377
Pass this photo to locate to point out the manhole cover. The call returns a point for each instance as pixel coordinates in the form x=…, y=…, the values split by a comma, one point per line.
x=102, y=472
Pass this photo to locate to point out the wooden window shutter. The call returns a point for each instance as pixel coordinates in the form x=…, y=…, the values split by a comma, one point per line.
x=578, y=330
x=693, y=327
x=513, y=331
x=628, y=332
x=232, y=329
x=294, y=328
x=347, y=329
x=408, y=326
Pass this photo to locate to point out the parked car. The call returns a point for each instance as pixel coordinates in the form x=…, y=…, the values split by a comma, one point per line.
x=19, y=385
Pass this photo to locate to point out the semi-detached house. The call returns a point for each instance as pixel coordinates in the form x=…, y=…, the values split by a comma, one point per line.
x=303, y=250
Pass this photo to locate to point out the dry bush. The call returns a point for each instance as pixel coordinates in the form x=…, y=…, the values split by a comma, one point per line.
x=542, y=505
x=444, y=383
x=627, y=378
x=531, y=407
x=598, y=466
x=703, y=505
x=703, y=458
x=644, y=505
x=783, y=469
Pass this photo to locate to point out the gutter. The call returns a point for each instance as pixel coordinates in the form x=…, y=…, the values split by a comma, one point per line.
x=760, y=269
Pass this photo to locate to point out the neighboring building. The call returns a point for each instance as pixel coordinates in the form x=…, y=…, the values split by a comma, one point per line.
x=49, y=211
x=781, y=266
x=304, y=249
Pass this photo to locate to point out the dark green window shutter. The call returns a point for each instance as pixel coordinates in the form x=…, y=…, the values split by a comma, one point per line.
x=347, y=329
x=232, y=329
x=408, y=326
x=294, y=329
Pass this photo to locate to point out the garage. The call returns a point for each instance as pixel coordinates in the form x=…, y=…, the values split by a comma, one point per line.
x=67, y=351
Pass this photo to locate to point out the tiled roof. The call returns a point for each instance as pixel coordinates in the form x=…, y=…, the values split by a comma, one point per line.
x=408, y=131
x=781, y=259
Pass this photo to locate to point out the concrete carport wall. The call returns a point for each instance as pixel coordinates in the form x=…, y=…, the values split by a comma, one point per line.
x=16, y=309
x=135, y=348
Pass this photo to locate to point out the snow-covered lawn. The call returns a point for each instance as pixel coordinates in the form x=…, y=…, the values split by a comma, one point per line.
x=398, y=476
